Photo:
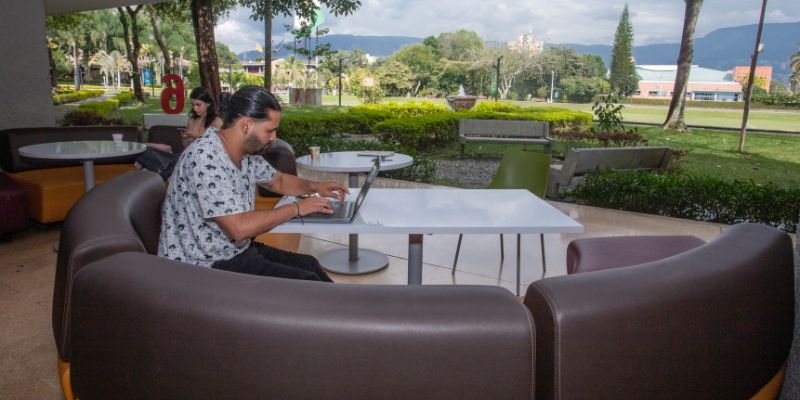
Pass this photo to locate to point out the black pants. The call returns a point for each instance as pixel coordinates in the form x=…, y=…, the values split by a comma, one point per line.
x=263, y=260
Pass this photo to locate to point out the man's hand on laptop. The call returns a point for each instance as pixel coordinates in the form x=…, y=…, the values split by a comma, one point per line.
x=314, y=204
x=331, y=189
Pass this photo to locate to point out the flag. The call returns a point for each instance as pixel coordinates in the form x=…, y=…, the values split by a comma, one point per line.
x=258, y=48
x=316, y=20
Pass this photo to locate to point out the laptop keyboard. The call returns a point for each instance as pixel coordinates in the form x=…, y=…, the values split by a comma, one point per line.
x=340, y=210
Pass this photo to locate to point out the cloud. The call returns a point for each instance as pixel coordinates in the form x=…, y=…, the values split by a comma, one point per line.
x=554, y=21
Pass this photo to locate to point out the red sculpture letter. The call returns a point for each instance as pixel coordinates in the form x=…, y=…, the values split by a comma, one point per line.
x=169, y=91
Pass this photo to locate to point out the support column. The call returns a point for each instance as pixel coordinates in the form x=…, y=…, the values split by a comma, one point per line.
x=25, y=73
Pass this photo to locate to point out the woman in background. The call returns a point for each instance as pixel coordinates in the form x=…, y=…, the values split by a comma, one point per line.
x=204, y=114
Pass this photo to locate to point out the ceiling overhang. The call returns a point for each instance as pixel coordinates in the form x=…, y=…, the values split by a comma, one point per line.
x=56, y=7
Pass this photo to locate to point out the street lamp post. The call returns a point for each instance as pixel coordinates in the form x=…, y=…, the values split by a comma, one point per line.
x=497, y=93
x=340, y=82
x=552, y=83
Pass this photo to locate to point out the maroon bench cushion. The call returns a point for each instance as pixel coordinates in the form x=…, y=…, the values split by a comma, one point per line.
x=594, y=254
x=12, y=206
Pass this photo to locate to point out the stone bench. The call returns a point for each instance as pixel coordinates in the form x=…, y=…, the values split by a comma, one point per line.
x=584, y=160
x=503, y=131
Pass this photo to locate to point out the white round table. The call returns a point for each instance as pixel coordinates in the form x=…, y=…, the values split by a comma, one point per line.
x=85, y=151
x=353, y=261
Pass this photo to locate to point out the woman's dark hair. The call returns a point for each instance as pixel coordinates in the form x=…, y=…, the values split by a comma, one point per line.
x=200, y=93
x=249, y=101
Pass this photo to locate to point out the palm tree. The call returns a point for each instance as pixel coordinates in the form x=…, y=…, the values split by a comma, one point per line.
x=111, y=64
x=794, y=80
x=674, y=118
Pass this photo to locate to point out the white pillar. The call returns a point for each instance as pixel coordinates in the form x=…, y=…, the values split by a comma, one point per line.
x=25, y=71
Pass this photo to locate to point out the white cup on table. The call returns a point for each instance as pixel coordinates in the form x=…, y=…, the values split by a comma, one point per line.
x=117, y=139
x=314, y=152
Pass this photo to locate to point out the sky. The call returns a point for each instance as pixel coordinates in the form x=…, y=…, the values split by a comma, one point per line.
x=553, y=21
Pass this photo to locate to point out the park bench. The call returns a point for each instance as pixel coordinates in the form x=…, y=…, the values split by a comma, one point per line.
x=581, y=161
x=503, y=131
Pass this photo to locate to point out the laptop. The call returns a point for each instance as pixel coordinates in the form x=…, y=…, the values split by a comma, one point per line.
x=344, y=212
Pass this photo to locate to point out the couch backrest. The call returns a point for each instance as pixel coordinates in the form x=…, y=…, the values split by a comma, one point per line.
x=122, y=214
x=713, y=322
x=147, y=327
x=166, y=134
x=13, y=139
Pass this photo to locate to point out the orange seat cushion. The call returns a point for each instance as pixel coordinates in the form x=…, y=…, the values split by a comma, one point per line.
x=283, y=241
x=51, y=192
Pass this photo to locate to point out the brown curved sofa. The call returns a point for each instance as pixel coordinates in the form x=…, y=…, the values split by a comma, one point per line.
x=713, y=322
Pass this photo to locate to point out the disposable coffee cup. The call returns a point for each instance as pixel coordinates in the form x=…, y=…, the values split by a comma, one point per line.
x=117, y=140
x=314, y=152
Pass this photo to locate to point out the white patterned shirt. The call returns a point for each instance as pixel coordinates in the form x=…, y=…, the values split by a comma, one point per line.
x=207, y=184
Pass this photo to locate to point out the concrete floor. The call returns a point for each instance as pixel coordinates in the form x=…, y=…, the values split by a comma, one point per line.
x=27, y=349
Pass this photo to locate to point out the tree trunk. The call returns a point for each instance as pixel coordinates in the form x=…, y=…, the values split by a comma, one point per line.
x=268, y=44
x=132, y=47
x=203, y=22
x=160, y=40
x=53, y=72
x=675, y=118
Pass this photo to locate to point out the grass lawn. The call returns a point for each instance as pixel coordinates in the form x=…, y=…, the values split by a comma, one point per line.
x=767, y=157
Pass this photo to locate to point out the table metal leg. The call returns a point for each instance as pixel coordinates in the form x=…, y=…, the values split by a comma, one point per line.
x=88, y=184
x=353, y=261
x=88, y=175
x=519, y=247
x=415, y=259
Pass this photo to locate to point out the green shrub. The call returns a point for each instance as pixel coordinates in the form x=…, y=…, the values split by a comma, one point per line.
x=435, y=130
x=404, y=110
x=70, y=96
x=105, y=107
x=101, y=108
x=698, y=198
x=87, y=118
x=496, y=106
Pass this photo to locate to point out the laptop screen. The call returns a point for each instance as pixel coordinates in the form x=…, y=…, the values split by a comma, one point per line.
x=373, y=173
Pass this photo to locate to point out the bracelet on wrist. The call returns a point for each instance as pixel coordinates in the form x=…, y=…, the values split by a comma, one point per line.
x=297, y=206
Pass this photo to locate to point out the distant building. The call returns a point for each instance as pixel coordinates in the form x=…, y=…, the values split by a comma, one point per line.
x=763, y=76
x=527, y=43
x=658, y=81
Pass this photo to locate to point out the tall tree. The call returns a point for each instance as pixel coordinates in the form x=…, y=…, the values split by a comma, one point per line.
x=130, y=26
x=675, y=118
x=266, y=10
x=203, y=21
x=623, y=76
x=152, y=12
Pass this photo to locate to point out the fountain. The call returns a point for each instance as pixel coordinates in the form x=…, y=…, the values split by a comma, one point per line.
x=461, y=101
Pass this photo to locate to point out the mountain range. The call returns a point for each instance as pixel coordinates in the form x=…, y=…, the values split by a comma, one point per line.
x=721, y=49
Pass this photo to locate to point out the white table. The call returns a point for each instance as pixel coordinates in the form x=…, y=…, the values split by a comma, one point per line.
x=353, y=261
x=419, y=211
x=85, y=151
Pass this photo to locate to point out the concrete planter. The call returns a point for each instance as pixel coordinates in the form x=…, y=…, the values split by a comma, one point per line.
x=305, y=96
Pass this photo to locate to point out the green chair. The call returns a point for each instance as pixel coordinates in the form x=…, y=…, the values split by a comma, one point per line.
x=519, y=170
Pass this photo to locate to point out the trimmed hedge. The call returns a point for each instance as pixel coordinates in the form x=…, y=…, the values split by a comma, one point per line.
x=73, y=96
x=437, y=130
x=404, y=110
x=692, y=197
